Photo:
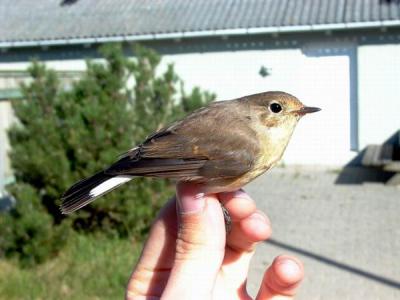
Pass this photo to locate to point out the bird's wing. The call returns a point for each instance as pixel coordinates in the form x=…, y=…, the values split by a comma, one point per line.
x=210, y=143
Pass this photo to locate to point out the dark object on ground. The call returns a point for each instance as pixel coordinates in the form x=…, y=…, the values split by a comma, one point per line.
x=7, y=202
x=385, y=157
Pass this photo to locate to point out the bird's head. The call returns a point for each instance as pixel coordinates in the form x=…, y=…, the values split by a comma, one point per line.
x=279, y=109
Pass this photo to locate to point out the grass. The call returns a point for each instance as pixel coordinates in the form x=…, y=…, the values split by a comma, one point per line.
x=88, y=268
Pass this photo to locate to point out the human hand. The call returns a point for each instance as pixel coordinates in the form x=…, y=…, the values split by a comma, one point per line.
x=189, y=256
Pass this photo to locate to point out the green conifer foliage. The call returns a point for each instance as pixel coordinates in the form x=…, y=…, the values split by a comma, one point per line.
x=64, y=135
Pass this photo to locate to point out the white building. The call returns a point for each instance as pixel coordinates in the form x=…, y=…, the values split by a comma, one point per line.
x=340, y=55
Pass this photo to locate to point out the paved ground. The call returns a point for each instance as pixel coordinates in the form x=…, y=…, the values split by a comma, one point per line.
x=347, y=235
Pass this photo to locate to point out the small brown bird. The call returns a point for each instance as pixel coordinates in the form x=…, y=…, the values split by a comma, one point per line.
x=222, y=146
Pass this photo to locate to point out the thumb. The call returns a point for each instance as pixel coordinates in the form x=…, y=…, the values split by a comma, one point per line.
x=200, y=244
x=201, y=223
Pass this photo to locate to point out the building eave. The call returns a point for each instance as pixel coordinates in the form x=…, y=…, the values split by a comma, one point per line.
x=203, y=33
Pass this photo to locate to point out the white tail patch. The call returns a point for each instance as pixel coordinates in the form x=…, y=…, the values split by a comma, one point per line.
x=109, y=185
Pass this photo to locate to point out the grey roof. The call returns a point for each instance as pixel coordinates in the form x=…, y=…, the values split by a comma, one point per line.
x=78, y=20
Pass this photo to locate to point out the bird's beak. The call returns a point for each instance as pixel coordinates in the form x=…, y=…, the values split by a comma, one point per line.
x=306, y=110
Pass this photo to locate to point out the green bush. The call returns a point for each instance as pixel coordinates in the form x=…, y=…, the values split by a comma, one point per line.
x=27, y=231
x=64, y=135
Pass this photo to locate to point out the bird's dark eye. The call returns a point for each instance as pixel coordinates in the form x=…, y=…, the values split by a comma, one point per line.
x=275, y=108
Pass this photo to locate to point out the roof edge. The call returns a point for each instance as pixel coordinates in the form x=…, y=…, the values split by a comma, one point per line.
x=203, y=33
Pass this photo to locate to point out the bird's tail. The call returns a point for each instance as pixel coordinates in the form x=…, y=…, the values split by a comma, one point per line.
x=89, y=189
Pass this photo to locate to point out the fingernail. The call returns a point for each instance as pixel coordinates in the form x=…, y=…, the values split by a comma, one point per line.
x=259, y=216
x=241, y=194
x=290, y=267
x=226, y=196
x=189, y=200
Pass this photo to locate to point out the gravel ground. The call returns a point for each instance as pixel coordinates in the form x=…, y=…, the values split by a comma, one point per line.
x=347, y=235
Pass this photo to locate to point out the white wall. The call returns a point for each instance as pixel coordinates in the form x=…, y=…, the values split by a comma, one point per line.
x=68, y=69
x=60, y=65
x=6, y=118
x=322, y=138
x=379, y=93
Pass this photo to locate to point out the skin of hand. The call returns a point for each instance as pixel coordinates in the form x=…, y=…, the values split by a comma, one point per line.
x=189, y=256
